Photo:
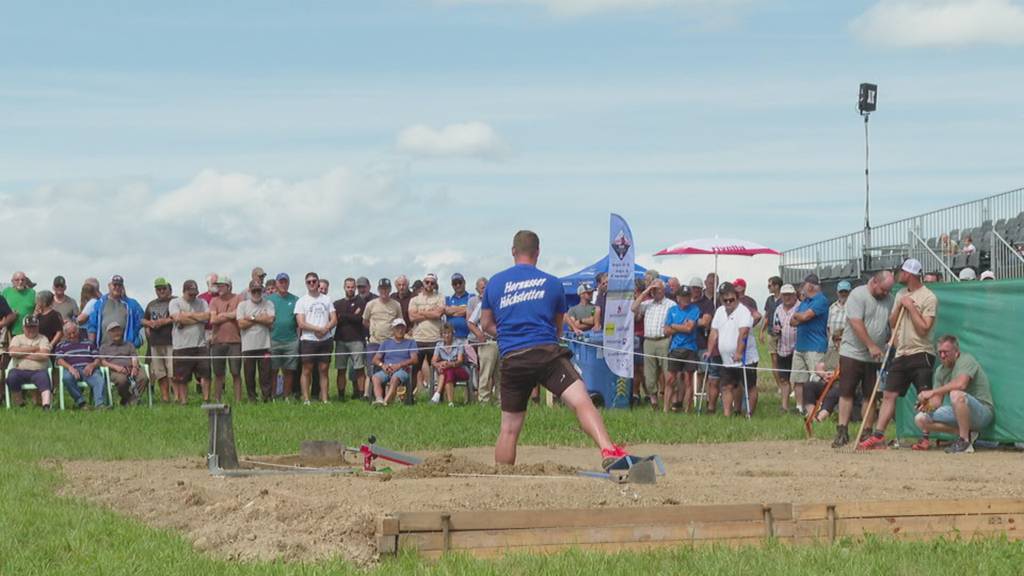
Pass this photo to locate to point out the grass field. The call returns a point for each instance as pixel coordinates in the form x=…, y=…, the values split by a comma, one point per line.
x=42, y=533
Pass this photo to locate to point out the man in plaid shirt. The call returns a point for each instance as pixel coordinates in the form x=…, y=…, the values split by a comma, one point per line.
x=837, y=314
x=785, y=333
x=653, y=307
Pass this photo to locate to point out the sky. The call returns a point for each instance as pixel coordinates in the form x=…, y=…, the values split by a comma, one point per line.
x=412, y=136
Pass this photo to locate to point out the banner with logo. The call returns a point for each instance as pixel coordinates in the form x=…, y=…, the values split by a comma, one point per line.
x=618, y=315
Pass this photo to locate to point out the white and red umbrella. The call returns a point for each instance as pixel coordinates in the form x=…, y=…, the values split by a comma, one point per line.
x=717, y=246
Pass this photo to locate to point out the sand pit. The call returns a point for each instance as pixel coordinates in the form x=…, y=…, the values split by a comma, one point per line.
x=312, y=517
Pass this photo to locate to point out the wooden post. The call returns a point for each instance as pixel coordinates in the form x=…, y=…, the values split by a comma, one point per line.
x=387, y=535
x=769, y=522
x=830, y=513
x=222, y=436
x=446, y=534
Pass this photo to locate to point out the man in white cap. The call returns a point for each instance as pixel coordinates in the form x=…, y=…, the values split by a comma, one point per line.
x=967, y=274
x=912, y=319
x=581, y=316
x=988, y=275
x=785, y=338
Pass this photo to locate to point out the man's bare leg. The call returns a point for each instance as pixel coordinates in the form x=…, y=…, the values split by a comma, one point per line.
x=304, y=380
x=576, y=397
x=886, y=412
x=508, y=437
x=713, y=392
x=325, y=379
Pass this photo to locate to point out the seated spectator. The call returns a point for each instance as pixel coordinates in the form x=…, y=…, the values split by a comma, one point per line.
x=67, y=307
x=122, y=362
x=970, y=407
x=967, y=274
x=392, y=363
x=968, y=246
x=930, y=277
x=449, y=364
x=947, y=246
x=30, y=357
x=581, y=317
x=823, y=372
x=78, y=358
x=988, y=275
x=255, y=317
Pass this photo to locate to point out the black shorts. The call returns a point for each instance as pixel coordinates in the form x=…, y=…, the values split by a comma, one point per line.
x=189, y=362
x=316, y=352
x=682, y=360
x=549, y=365
x=853, y=374
x=424, y=351
x=733, y=376
x=785, y=364
x=813, y=388
x=914, y=369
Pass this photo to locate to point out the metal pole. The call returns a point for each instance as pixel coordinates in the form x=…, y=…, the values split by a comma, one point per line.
x=867, y=188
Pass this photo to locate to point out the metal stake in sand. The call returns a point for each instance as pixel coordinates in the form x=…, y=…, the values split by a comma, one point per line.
x=881, y=374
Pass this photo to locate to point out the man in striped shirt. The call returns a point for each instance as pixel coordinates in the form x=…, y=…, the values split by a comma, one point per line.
x=652, y=306
x=785, y=334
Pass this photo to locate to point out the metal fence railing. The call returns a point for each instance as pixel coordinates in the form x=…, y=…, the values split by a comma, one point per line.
x=982, y=234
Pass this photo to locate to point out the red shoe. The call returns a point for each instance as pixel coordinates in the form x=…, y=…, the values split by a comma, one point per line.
x=873, y=443
x=611, y=455
x=922, y=444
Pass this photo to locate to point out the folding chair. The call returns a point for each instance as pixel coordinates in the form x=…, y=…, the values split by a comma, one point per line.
x=110, y=385
x=7, y=388
x=84, y=386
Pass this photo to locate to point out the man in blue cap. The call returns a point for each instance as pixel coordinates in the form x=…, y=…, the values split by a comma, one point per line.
x=837, y=313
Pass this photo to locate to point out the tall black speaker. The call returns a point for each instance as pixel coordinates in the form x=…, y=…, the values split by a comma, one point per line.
x=868, y=97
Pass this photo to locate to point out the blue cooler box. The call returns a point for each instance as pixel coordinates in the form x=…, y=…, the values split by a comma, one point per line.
x=613, y=390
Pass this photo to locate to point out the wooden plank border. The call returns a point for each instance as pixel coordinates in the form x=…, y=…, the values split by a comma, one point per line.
x=490, y=533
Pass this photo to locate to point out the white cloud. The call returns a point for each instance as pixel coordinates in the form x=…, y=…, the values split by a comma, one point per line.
x=440, y=259
x=916, y=23
x=475, y=139
x=586, y=7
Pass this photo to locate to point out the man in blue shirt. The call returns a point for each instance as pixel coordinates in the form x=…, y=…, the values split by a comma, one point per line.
x=811, y=321
x=681, y=326
x=392, y=364
x=455, y=308
x=524, y=308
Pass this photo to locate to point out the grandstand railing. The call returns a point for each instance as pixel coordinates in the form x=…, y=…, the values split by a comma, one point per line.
x=995, y=226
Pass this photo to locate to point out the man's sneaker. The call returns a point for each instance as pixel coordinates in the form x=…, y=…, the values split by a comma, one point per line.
x=305, y=403
x=960, y=446
x=972, y=437
x=872, y=443
x=922, y=445
x=435, y=398
x=611, y=455
x=379, y=403
x=842, y=438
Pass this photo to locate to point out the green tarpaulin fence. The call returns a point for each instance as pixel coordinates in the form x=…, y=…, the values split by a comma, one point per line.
x=988, y=318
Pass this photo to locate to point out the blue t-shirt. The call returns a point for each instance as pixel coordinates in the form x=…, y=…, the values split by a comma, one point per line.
x=459, y=322
x=524, y=301
x=395, y=352
x=677, y=315
x=812, y=336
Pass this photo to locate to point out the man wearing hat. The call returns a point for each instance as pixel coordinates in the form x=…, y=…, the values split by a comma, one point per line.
x=707, y=312
x=811, y=321
x=455, y=308
x=188, y=336
x=837, y=313
x=225, y=339
x=681, y=327
x=581, y=316
x=785, y=338
x=255, y=316
x=863, y=341
x=378, y=314
x=284, y=334
x=67, y=307
x=159, y=328
x=122, y=362
x=30, y=358
x=912, y=319
x=392, y=363
x=115, y=306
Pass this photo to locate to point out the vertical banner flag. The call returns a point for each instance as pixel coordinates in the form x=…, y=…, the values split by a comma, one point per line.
x=618, y=314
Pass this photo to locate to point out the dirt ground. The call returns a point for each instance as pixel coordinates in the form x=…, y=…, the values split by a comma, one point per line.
x=312, y=517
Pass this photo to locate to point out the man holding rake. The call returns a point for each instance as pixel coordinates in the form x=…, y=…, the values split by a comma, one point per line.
x=912, y=319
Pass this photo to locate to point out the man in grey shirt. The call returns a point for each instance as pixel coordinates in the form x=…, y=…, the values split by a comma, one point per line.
x=255, y=317
x=862, y=346
x=190, y=314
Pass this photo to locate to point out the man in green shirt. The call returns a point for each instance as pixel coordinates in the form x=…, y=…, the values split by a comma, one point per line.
x=970, y=406
x=21, y=298
x=284, y=334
